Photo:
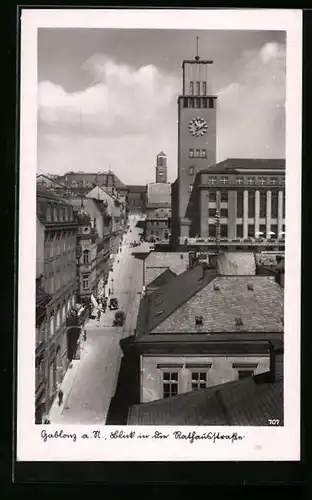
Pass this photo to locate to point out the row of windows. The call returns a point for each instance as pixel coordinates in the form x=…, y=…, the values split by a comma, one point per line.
x=57, y=246
x=199, y=380
x=261, y=180
x=59, y=213
x=263, y=204
x=240, y=230
x=198, y=88
x=57, y=319
x=198, y=102
x=197, y=153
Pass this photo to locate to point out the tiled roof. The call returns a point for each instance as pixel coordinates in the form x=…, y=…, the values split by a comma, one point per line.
x=177, y=262
x=42, y=192
x=232, y=164
x=257, y=300
x=161, y=304
x=237, y=263
x=247, y=402
x=162, y=278
x=96, y=177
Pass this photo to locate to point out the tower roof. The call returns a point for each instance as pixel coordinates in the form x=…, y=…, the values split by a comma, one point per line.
x=161, y=154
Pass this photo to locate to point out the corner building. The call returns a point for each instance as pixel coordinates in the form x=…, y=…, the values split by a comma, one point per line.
x=196, y=135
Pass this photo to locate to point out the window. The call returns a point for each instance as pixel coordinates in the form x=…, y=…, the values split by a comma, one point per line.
x=240, y=204
x=204, y=88
x=199, y=321
x=213, y=196
x=244, y=373
x=262, y=181
x=199, y=380
x=263, y=204
x=85, y=281
x=239, y=231
x=273, y=181
x=210, y=102
x=191, y=153
x=170, y=384
x=224, y=196
x=223, y=230
x=191, y=102
x=282, y=181
x=198, y=88
x=86, y=256
x=203, y=153
x=212, y=212
x=190, y=188
x=224, y=179
x=223, y=212
x=251, y=230
x=251, y=203
x=274, y=204
x=239, y=180
x=262, y=229
x=212, y=230
x=251, y=181
x=212, y=180
x=191, y=87
x=274, y=230
x=197, y=153
x=197, y=102
x=191, y=170
x=185, y=102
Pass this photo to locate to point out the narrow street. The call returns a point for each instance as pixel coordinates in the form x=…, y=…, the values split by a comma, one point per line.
x=94, y=381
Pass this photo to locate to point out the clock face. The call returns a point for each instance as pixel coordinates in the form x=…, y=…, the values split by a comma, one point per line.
x=197, y=126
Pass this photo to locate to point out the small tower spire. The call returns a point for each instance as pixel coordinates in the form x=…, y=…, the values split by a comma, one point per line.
x=197, y=56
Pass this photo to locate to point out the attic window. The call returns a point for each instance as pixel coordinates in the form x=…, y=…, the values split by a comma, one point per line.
x=238, y=323
x=216, y=287
x=250, y=287
x=199, y=320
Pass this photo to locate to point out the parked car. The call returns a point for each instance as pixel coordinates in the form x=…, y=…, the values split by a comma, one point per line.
x=120, y=318
x=113, y=304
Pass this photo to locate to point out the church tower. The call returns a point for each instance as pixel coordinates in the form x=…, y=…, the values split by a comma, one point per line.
x=196, y=131
x=161, y=168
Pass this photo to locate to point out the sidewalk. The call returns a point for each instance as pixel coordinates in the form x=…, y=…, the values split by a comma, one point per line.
x=56, y=411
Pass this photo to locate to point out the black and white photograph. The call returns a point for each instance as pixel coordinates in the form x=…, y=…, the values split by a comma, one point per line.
x=159, y=267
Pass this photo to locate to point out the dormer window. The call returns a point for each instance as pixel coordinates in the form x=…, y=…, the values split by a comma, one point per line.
x=199, y=320
x=216, y=287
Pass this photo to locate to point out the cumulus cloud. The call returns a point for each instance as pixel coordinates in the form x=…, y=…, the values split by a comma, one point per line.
x=126, y=116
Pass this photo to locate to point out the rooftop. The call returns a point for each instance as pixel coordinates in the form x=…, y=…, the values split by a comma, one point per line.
x=224, y=303
x=247, y=402
x=231, y=165
x=161, y=278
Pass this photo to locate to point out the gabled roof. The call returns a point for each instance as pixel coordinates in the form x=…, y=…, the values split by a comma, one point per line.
x=162, y=279
x=159, y=305
x=161, y=154
x=176, y=261
x=246, y=402
x=231, y=165
x=256, y=300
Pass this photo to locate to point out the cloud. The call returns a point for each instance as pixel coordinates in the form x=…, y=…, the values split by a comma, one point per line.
x=127, y=115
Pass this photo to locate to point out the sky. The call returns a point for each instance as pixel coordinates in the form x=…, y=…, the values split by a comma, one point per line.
x=107, y=98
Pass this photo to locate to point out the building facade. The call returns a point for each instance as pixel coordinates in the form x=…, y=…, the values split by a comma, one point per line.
x=56, y=293
x=161, y=167
x=202, y=329
x=158, y=213
x=197, y=113
x=239, y=201
x=136, y=199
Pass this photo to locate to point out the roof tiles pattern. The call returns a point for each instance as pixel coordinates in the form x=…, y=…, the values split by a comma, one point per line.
x=260, y=309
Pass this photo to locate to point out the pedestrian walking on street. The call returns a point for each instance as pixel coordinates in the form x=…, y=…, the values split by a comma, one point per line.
x=60, y=396
x=85, y=335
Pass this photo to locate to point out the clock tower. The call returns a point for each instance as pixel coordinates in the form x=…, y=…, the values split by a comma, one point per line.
x=197, y=131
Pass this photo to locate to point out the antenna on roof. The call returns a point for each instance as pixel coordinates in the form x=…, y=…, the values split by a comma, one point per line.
x=197, y=56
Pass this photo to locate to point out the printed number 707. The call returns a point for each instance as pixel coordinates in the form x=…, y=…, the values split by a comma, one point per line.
x=273, y=421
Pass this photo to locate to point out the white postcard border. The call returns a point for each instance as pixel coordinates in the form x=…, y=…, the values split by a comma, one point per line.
x=259, y=443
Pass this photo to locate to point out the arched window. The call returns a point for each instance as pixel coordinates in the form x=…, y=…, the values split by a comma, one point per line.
x=86, y=256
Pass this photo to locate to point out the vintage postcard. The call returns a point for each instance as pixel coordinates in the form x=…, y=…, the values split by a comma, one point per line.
x=159, y=235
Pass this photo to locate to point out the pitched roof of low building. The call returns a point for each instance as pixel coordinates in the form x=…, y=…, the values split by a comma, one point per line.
x=176, y=261
x=246, y=402
x=162, y=278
